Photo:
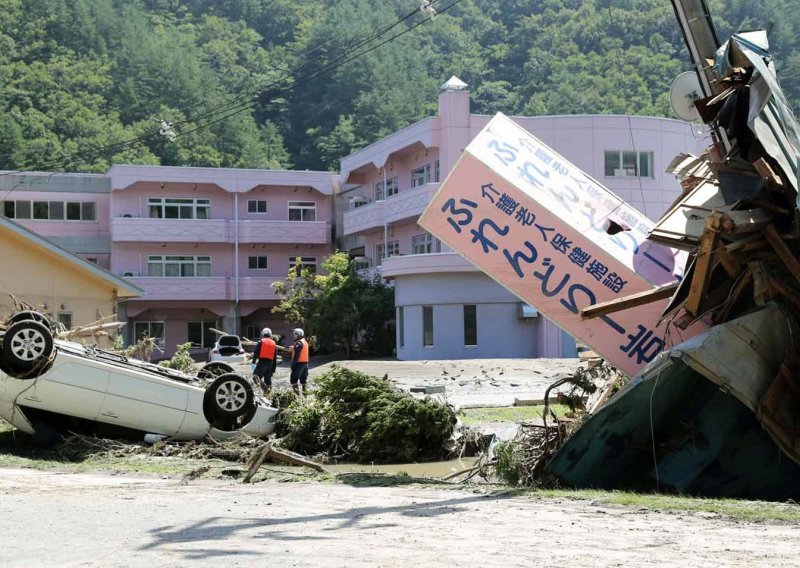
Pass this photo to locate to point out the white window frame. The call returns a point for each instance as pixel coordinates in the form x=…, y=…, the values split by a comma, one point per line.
x=258, y=259
x=425, y=244
x=392, y=248
x=257, y=203
x=159, y=264
x=305, y=262
x=391, y=189
x=421, y=176
x=304, y=207
x=159, y=339
x=642, y=161
x=197, y=209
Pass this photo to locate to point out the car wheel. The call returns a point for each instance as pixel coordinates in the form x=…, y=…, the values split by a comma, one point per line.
x=214, y=369
x=29, y=315
x=26, y=344
x=230, y=396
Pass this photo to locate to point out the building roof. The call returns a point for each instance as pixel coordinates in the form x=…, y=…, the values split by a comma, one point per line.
x=124, y=288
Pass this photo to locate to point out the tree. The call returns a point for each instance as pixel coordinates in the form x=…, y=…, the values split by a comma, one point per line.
x=339, y=308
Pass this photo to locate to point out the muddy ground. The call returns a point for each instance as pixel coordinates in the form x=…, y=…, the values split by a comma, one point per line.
x=467, y=383
x=49, y=519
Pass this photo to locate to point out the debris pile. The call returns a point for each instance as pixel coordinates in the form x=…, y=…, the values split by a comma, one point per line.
x=354, y=416
x=706, y=416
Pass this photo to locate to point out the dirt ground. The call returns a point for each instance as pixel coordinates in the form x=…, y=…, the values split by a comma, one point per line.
x=52, y=519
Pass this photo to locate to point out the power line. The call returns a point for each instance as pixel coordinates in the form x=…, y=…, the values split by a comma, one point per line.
x=249, y=102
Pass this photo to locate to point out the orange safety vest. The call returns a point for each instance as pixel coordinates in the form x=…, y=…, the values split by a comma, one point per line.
x=266, y=349
x=303, y=356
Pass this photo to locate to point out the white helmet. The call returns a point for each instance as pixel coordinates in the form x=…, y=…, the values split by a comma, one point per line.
x=266, y=332
x=299, y=332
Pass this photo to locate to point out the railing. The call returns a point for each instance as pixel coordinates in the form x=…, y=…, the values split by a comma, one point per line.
x=213, y=288
x=405, y=204
x=144, y=229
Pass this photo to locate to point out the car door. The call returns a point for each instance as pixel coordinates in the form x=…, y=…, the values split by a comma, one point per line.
x=73, y=386
x=144, y=401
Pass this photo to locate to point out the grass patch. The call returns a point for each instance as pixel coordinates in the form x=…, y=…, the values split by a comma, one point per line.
x=472, y=416
x=738, y=509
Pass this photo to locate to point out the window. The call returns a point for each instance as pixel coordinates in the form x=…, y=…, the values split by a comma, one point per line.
x=153, y=329
x=470, y=325
x=65, y=319
x=252, y=332
x=362, y=262
x=425, y=244
x=401, y=323
x=382, y=193
x=306, y=262
x=624, y=163
x=41, y=210
x=179, y=266
x=392, y=249
x=436, y=173
x=50, y=210
x=175, y=208
x=256, y=206
x=427, y=326
x=421, y=176
x=257, y=262
x=199, y=333
x=302, y=211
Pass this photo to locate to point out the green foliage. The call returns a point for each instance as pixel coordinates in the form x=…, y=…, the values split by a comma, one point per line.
x=339, y=308
x=78, y=76
x=509, y=466
x=181, y=360
x=359, y=417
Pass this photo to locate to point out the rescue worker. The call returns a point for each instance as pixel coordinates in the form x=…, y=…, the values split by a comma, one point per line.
x=265, y=358
x=299, y=372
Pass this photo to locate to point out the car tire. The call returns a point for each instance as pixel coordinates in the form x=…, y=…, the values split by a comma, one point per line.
x=213, y=370
x=29, y=315
x=229, y=396
x=27, y=344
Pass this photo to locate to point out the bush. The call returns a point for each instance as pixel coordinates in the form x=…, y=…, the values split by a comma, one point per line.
x=364, y=418
x=182, y=360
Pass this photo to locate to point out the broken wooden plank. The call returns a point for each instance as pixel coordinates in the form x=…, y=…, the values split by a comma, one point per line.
x=703, y=264
x=767, y=173
x=638, y=299
x=787, y=257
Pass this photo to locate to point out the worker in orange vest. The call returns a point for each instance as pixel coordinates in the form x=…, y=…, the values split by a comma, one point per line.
x=299, y=372
x=265, y=359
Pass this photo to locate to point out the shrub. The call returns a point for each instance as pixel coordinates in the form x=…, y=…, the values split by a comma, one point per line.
x=364, y=418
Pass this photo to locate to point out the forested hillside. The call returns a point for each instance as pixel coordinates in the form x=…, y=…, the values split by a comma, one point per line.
x=299, y=83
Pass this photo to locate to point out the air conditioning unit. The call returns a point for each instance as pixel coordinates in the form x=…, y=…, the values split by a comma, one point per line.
x=130, y=274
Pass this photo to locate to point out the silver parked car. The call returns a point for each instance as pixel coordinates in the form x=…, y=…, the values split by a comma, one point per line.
x=48, y=385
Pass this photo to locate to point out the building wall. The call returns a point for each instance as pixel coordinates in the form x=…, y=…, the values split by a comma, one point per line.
x=501, y=331
x=50, y=283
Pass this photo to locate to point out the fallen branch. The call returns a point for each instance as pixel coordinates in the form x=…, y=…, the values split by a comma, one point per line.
x=268, y=450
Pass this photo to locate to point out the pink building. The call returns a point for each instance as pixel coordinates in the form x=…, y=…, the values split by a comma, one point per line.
x=205, y=244
x=447, y=308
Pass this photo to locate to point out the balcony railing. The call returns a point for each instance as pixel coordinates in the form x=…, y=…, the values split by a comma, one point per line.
x=290, y=232
x=144, y=229
x=403, y=205
x=213, y=288
x=433, y=263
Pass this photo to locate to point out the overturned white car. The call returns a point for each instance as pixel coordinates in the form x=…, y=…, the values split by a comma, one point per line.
x=49, y=387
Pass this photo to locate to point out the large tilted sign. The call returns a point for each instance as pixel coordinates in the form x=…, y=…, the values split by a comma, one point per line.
x=556, y=238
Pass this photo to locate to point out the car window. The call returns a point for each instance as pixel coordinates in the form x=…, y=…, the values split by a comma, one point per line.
x=229, y=341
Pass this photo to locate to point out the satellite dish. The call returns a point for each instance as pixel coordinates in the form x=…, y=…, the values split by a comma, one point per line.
x=685, y=90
